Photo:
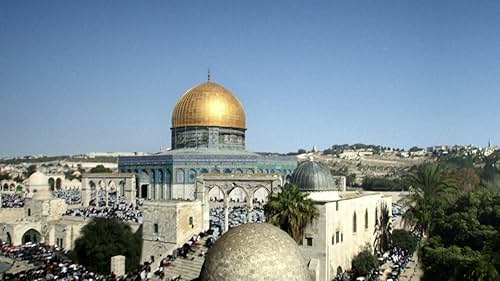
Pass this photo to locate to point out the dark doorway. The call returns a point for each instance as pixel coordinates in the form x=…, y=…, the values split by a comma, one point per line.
x=32, y=236
x=144, y=191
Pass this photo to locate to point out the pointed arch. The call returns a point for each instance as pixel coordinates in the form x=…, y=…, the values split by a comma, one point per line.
x=261, y=195
x=52, y=184
x=31, y=235
x=111, y=186
x=58, y=183
x=179, y=176
x=191, y=177
x=216, y=193
x=238, y=194
x=122, y=187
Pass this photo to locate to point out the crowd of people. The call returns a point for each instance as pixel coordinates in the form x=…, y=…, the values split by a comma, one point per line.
x=12, y=200
x=121, y=210
x=53, y=263
x=186, y=251
x=237, y=216
x=70, y=196
x=399, y=259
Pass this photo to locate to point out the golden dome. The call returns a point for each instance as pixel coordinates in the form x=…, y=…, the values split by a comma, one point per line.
x=208, y=104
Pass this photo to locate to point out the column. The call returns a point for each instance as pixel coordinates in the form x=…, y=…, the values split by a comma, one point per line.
x=106, y=196
x=226, y=215
x=153, y=186
x=85, y=193
x=249, y=209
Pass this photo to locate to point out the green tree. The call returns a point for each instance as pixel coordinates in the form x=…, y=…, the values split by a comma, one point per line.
x=351, y=179
x=104, y=238
x=404, y=239
x=301, y=151
x=464, y=241
x=29, y=171
x=291, y=210
x=364, y=262
x=100, y=169
x=18, y=179
x=383, y=230
x=428, y=189
x=415, y=149
x=466, y=179
x=4, y=176
x=490, y=175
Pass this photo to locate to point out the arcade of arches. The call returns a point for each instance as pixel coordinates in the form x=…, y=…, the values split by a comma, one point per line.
x=99, y=189
x=235, y=188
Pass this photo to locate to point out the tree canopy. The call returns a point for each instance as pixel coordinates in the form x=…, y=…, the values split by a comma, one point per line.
x=29, y=171
x=464, y=242
x=100, y=169
x=364, y=262
x=429, y=188
x=291, y=210
x=382, y=184
x=404, y=239
x=383, y=230
x=104, y=238
x=4, y=176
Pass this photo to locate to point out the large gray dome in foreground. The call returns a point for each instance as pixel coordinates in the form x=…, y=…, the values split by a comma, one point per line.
x=255, y=251
x=313, y=176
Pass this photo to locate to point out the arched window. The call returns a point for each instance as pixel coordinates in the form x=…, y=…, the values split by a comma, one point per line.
x=191, y=175
x=376, y=216
x=122, y=188
x=179, y=176
x=366, y=219
x=354, y=223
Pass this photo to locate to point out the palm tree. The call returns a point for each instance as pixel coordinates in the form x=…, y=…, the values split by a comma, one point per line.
x=383, y=230
x=428, y=187
x=291, y=210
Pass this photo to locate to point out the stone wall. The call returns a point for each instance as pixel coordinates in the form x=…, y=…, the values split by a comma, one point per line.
x=167, y=226
x=337, y=216
x=10, y=215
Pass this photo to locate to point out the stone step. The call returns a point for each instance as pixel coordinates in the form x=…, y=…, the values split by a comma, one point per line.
x=188, y=269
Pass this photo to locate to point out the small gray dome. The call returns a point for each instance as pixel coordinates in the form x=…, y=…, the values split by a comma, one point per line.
x=313, y=176
x=255, y=251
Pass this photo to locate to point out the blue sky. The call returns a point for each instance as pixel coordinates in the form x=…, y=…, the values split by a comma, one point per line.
x=80, y=76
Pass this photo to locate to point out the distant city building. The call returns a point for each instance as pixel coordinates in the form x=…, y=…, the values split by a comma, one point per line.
x=113, y=154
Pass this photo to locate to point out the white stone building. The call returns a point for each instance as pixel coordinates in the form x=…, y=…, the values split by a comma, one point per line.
x=346, y=224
